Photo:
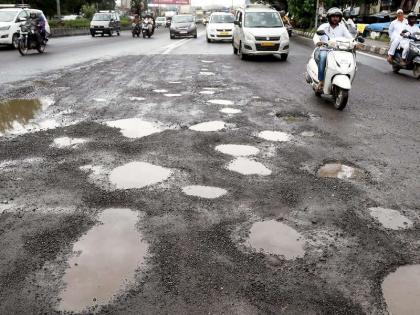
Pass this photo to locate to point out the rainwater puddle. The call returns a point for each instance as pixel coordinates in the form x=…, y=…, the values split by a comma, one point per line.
x=221, y=102
x=338, y=170
x=206, y=73
x=64, y=142
x=390, y=219
x=256, y=97
x=207, y=61
x=174, y=82
x=308, y=134
x=172, y=95
x=207, y=92
x=237, y=149
x=292, y=117
x=401, y=290
x=160, y=91
x=135, y=98
x=105, y=261
x=276, y=238
x=210, y=88
x=138, y=175
x=16, y=115
x=204, y=191
x=100, y=100
x=209, y=126
x=275, y=136
x=231, y=111
x=135, y=127
x=246, y=166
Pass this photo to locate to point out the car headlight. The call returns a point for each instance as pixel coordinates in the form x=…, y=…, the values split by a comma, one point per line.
x=249, y=37
x=4, y=28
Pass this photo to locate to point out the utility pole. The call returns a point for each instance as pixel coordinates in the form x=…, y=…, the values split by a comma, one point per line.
x=58, y=9
x=316, y=14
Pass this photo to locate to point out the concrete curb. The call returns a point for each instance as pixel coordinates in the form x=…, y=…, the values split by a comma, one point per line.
x=76, y=31
x=366, y=48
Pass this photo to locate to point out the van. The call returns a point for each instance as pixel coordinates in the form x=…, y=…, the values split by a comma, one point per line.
x=105, y=22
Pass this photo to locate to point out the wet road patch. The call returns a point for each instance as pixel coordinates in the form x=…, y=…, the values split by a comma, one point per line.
x=237, y=149
x=138, y=175
x=207, y=92
x=135, y=127
x=338, y=170
x=104, y=262
x=160, y=91
x=100, y=100
x=207, y=192
x=172, y=95
x=390, y=219
x=64, y=142
x=246, y=166
x=230, y=111
x=209, y=126
x=276, y=238
x=135, y=98
x=401, y=290
x=205, y=73
x=292, y=117
x=277, y=136
x=221, y=102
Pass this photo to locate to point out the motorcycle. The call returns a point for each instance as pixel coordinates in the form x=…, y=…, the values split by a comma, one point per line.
x=340, y=69
x=28, y=39
x=136, y=29
x=147, y=29
x=413, y=56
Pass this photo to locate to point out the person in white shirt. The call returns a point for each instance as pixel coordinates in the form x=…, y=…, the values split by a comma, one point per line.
x=394, y=31
x=333, y=29
x=410, y=29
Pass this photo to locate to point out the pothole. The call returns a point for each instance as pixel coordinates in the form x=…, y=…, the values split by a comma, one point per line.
x=172, y=95
x=276, y=238
x=16, y=115
x=390, y=219
x=231, y=111
x=138, y=175
x=340, y=171
x=160, y=91
x=221, y=102
x=64, y=142
x=135, y=127
x=246, y=166
x=135, y=98
x=277, y=136
x=104, y=261
x=401, y=290
x=204, y=191
x=207, y=61
x=174, y=82
x=209, y=126
x=206, y=73
x=207, y=92
x=237, y=149
x=291, y=117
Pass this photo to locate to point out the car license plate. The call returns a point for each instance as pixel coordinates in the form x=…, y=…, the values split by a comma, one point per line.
x=267, y=44
x=224, y=33
x=99, y=31
x=183, y=32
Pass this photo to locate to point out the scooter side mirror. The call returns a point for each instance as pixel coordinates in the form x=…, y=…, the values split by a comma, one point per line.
x=360, y=39
x=320, y=32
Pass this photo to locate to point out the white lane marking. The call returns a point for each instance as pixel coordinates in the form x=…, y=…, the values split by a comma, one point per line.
x=372, y=56
x=168, y=49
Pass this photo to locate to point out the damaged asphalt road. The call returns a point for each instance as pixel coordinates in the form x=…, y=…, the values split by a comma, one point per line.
x=168, y=218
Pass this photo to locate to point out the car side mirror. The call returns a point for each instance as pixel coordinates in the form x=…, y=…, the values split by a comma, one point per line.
x=320, y=33
x=20, y=20
x=360, y=39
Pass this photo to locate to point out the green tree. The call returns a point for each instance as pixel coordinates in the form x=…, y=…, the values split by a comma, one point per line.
x=138, y=6
x=88, y=10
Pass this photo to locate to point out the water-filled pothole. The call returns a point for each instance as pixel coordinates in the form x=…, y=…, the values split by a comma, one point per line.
x=209, y=126
x=221, y=102
x=291, y=117
x=401, y=290
x=229, y=110
x=206, y=73
x=135, y=127
x=340, y=171
x=308, y=134
x=237, y=149
x=390, y=219
x=160, y=91
x=204, y=191
x=276, y=238
x=277, y=136
x=138, y=175
x=105, y=261
x=173, y=95
x=207, y=92
x=246, y=166
x=16, y=114
x=99, y=100
x=207, y=61
x=64, y=142
x=135, y=98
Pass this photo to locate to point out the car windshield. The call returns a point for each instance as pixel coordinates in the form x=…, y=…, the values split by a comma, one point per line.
x=263, y=19
x=182, y=19
x=160, y=19
x=225, y=18
x=7, y=16
x=102, y=17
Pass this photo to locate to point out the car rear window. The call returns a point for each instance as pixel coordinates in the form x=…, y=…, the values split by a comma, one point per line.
x=183, y=19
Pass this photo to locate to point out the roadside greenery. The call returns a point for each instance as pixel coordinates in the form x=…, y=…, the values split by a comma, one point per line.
x=80, y=23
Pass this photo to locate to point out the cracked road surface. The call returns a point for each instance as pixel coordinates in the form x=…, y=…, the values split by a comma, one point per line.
x=171, y=177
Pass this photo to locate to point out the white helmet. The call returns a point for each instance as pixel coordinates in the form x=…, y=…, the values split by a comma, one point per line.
x=334, y=12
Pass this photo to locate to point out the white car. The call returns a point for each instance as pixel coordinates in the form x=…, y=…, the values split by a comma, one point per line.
x=259, y=30
x=161, y=21
x=220, y=27
x=10, y=21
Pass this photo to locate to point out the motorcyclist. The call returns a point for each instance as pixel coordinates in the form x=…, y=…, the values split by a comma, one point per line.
x=38, y=22
x=402, y=41
x=149, y=22
x=333, y=29
x=394, y=31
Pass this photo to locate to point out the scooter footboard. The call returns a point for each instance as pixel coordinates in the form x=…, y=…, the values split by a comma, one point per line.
x=342, y=81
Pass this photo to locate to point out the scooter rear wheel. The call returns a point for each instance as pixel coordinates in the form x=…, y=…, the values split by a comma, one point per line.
x=341, y=99
x=395, y=68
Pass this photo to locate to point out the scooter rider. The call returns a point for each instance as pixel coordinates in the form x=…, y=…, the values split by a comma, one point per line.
x=395, y=29
x=333, y=29
x=411, y=28
x=39, y=23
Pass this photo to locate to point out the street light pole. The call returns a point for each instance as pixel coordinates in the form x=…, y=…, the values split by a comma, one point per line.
x=316, y=14
x=58, y=9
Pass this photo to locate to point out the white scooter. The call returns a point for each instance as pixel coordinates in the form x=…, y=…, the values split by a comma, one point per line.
x=340, y=69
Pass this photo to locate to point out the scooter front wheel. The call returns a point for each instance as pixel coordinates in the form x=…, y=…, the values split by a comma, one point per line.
x=22, y=47
x=341, y=98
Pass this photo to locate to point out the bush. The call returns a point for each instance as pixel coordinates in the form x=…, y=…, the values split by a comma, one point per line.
x=73, y=23
x=88, y=10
